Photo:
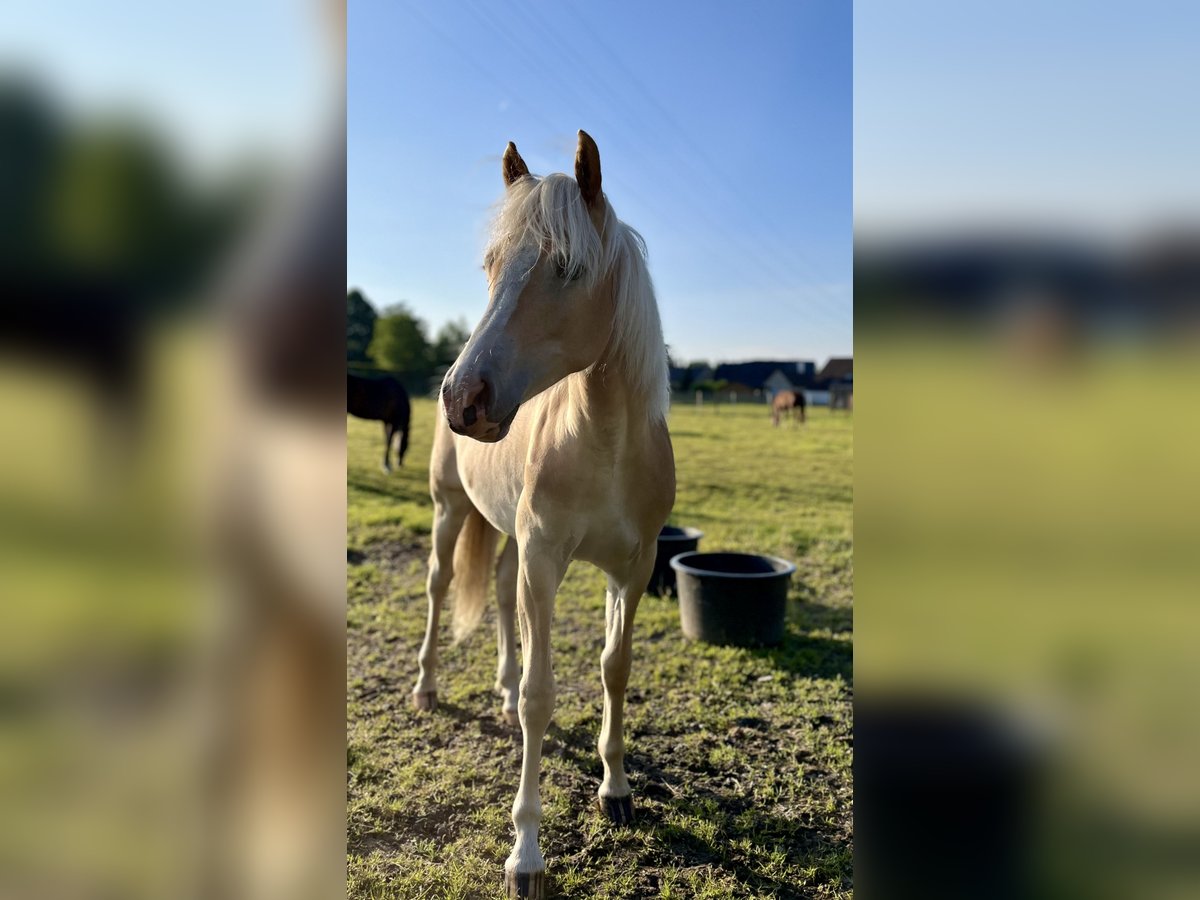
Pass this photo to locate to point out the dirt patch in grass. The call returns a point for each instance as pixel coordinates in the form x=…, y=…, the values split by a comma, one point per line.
x=393, y=556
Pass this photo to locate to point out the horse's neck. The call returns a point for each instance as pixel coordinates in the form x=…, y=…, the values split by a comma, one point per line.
x=617, y=381
x=601, y=397
x=608, y=391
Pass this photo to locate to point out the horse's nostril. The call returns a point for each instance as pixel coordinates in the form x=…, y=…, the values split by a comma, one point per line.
x=475, y=401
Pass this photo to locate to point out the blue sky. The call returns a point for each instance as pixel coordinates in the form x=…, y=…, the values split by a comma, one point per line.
x=1074, y=114
x=724, y=133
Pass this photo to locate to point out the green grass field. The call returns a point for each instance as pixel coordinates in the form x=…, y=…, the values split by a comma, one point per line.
x=740, y=760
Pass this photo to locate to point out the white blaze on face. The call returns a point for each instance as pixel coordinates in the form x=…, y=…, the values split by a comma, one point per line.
x=506, y=290
x=513, y=278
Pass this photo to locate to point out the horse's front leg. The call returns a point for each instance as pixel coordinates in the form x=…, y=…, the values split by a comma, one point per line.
x=508, y=669
x=541, y=571
x=450, y=508
x=621, y=603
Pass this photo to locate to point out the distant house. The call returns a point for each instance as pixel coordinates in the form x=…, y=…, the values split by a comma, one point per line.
x=836, y=379
x=838, y=368
x=832, y=386
x=777, y=382
x=764, y=379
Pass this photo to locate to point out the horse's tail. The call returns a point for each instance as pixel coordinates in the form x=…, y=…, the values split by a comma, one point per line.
x=474, y=554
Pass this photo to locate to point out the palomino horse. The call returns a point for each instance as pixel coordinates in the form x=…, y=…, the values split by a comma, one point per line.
x=383, y=400
x=557, y=406
x=788, y=400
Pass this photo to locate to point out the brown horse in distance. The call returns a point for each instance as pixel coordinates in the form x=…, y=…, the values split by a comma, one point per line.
x=788, y=400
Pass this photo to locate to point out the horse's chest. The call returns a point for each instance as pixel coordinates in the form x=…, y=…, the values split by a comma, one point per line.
x=492, y=481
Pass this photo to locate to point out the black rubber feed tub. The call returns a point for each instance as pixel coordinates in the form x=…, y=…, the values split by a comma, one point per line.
x=671, y=542
x=732, y=598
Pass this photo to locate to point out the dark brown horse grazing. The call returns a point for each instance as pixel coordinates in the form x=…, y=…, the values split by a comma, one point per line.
x=383, y=400
x=785, y=400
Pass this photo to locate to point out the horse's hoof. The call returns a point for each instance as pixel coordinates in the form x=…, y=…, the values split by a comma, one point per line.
x=425, y=700
x=618, y=810
x=530, y=885
x=511, y=718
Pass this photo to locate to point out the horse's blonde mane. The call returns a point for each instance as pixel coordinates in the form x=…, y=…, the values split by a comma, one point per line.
x=549, y=212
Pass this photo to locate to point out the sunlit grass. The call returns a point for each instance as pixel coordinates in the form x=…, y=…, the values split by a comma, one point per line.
x=740, y=759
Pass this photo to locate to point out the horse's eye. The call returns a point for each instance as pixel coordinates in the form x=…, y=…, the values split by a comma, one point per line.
x=560, y=269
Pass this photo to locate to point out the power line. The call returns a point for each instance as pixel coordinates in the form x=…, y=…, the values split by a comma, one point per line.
x=667, y=115
x=764, y=269
x=823, y=306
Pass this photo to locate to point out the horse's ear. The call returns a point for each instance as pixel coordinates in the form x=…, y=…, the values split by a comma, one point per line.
x=587, y=169
x=514, y=166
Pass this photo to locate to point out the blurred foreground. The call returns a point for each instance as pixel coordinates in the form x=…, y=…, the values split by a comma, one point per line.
x=1027, y=303
x=172, y=500
x=1028, y=506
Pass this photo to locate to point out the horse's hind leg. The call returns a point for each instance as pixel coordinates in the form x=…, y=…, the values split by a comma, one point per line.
x=621, y=602
x=508, y=669
x=450, y=508
x=403, y=429
x=388, y=431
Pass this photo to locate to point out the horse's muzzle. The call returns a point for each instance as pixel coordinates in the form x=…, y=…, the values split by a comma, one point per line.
x=467, y=410
x=485, y=431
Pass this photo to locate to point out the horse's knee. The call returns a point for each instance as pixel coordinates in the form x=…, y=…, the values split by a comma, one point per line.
x=614, y=667
x=537, y=691
x=537, y=702
x=438, y=583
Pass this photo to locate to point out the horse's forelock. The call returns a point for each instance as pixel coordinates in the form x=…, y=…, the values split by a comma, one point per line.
x=549, y=213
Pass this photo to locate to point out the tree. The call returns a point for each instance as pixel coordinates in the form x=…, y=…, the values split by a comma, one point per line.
x=696, y=372
x=360, y=326
x=449, y=343
x=711, y=386
x=399, y=342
